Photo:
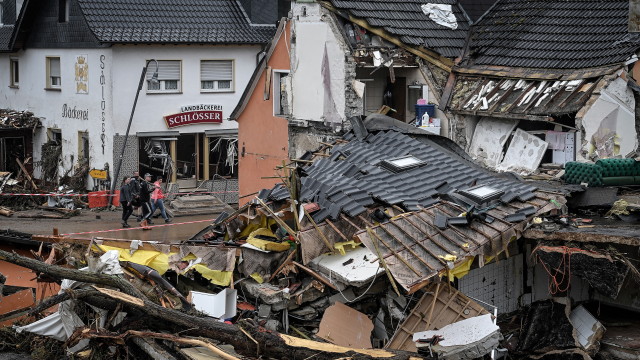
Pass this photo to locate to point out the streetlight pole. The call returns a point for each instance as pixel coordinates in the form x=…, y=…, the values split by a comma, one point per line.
x=154, y=78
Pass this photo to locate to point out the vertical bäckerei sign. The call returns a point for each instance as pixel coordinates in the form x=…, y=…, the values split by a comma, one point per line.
x=195, y=114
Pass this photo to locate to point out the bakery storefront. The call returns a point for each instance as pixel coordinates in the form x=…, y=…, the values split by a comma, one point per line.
x=197, y=145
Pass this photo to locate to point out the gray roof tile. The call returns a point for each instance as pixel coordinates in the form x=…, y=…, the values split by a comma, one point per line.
x=162, y=21
x=405, y=19
x=567, y=34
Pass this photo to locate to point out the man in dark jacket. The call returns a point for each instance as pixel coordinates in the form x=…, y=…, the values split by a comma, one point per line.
x=125, y=200
x=134, y=185
x=146, y=188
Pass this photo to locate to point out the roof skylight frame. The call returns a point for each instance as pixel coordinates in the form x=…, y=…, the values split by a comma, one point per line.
x=482, y=194
x=402, y=163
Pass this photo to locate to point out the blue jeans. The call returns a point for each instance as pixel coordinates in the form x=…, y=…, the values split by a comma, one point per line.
x=158, y=204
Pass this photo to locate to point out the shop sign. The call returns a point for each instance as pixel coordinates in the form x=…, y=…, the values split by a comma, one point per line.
x=195, y=114
x=98, y=174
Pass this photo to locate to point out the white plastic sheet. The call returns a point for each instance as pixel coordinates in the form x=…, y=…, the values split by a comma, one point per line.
x=441, y=14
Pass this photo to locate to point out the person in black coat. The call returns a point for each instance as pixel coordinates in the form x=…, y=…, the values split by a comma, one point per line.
x=146, y=188
x=125, y=200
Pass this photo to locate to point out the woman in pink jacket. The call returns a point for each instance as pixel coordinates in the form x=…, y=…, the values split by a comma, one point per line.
x=157, y=200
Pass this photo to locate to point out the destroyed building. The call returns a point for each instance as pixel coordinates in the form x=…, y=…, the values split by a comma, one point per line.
x=362, y=235
x=338, y=59
x=560, y=76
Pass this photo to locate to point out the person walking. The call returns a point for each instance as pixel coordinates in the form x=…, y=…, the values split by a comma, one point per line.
x=136, y=180
x=145, y=200
x=157, y=200
x=125, y=200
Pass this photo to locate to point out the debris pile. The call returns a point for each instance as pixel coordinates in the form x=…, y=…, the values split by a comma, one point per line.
x=18, y=119
x=349, y=256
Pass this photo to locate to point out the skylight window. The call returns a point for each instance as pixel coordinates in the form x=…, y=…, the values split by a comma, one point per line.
x=402, y=163
x=482, y=193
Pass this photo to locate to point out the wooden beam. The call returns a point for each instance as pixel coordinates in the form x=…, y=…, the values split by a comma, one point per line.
x=26, y=173
x=206, y=151
x=173, y=145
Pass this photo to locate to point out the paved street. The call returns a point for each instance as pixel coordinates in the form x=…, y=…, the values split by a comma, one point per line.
x=102, y=223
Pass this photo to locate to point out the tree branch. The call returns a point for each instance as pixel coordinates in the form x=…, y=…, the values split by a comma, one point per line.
x=71, y=274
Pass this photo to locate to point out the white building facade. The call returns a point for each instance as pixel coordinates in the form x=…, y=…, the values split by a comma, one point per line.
x=81, y=79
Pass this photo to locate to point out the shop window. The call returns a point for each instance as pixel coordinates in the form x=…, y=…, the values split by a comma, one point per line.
x=83, y=147
x=169, y=75
x=281, y=103
x=216, y=76
x=15, y=72
x=54, y=80
x=63, y=11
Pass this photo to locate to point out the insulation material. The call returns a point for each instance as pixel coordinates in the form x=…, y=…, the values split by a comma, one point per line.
x=466, y=339
x=441, y=14
x=524, y=153
x=547, y=327
x=489, y=138
x=344, y=326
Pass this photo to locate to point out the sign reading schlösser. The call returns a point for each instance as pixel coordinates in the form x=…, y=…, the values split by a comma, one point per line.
x=195, y=114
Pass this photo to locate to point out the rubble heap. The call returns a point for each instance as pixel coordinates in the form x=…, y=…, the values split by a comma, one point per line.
x=18, y=119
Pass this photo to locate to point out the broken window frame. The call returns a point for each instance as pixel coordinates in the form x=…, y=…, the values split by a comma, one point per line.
x=391, y=164
x=54, y=75
x=169, y=77
x=216, y=76
x=83, y=147
x=277, y=77
x=14, y=70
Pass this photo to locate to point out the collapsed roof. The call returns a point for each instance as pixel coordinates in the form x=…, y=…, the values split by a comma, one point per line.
x=407, y=21
x=360, y=172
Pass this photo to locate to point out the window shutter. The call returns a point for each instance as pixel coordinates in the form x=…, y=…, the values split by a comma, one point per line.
x=54, y=67
x=167, y=70
x=216, y=70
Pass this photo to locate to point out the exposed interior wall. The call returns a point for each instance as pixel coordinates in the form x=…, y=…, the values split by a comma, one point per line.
x=263, y=138
x=309, y=137
x=376, y=83
x=608, y=122
x=316, y=41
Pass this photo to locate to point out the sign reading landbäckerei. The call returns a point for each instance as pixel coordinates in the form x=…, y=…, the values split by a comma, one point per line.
x=195, y=114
